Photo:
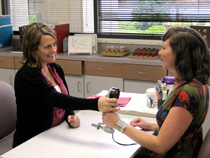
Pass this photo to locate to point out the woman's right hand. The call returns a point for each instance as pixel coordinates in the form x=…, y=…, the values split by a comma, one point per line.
x=107, y=104
x=140, y=122
x=73, y=120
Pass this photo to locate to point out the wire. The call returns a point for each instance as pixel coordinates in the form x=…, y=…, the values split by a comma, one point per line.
x=122, y=143
x=109, y=130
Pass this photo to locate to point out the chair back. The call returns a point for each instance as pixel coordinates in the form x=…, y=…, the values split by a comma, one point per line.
x=7, y=109
x=205, y=147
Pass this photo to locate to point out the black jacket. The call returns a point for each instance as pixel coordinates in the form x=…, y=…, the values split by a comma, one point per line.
x=36, y=100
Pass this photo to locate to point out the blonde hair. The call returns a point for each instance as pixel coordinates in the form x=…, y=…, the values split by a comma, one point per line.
x=31, y=41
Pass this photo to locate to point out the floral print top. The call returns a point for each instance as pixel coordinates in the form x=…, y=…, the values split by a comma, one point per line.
x=192, y=97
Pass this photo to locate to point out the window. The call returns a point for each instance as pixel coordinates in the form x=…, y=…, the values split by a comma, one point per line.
x=149, y=18
x=78, y=13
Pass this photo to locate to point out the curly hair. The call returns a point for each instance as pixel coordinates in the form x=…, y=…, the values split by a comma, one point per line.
x=192, y=59
x=31, y=41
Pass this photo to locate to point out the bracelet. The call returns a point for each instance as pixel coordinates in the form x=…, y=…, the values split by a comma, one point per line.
x=120, y=126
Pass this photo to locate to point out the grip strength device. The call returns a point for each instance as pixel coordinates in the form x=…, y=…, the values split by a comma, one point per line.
x=103, y=127
x=114, y=93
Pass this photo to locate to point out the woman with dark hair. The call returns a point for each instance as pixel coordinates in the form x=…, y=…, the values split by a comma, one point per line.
x=42, y=95
x=180, y=118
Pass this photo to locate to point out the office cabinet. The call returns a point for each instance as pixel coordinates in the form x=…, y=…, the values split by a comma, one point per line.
x=138, y=78
x=7, y=72
x=85, y=78
x=73, y=76
x=18, y=62
x=7, y=62
x=143, y=72
x=103, y=69
x=86, y=85
x=137, y=86
x=95, y=84
x=101, y=76
x=75, y=85
x=7, y=75
x=71, y=67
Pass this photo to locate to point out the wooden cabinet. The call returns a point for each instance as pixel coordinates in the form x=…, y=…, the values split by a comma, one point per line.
x=100, y=76
x=85, y=78
x=94, y=78
x=103, y=69
x=7, y=62
x=7, y=72
x=71, y=67
x=143, y=72
x=138, y=78
x=73, y=76
x=18, y=62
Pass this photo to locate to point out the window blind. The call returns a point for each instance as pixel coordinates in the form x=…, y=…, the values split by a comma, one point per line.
x=113, y=17
x=150, y=17
x=78, y=13
x=18, y=13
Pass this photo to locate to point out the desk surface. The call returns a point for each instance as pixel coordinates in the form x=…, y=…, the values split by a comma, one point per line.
x=85, y=141
x=96, y=57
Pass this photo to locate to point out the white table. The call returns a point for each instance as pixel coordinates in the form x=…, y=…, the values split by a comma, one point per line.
x=136, y=106
x=85, y=141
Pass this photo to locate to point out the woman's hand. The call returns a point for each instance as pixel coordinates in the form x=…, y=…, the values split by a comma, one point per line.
x=140, y=122
x=74, y=121
x=110, y=119
x=107, y=104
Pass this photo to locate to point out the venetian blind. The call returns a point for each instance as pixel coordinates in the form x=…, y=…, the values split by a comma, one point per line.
x=78, y=13
x=150, y=17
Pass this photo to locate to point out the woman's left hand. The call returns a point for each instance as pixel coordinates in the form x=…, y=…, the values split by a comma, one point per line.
x=74, y=121
x=110, y=119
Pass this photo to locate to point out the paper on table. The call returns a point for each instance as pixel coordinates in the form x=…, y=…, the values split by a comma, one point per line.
x=123, y=101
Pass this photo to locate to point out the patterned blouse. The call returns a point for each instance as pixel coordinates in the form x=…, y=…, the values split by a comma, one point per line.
x=192, y=97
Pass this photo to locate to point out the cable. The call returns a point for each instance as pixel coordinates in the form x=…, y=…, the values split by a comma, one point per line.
x=122, y=143
x=109, y=130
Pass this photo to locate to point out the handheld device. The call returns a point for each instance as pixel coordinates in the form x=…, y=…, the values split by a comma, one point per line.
x=114, y=92
x=103, y=127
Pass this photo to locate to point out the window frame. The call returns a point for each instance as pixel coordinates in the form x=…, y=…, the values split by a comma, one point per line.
x=5, y=7
x=118, y=35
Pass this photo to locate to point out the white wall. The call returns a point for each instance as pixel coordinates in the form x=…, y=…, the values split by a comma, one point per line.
x=206, y=124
